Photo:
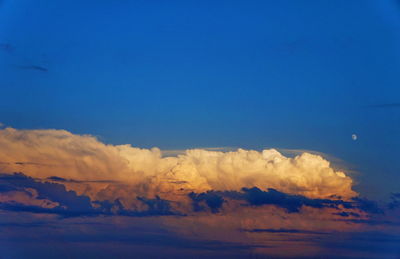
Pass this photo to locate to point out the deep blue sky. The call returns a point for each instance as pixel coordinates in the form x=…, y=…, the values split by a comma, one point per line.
x=182, y=74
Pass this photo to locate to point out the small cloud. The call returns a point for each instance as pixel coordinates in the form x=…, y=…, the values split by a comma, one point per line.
x=283, y=230
x=173, y=152
x=347, y=214
x=367, y=205
x=56, y=178
x=385, y=105
x=176, y=152
x=31, y=163
x=6, y=47
x=157, y=206
x=395, y=201
x=213, y=201
x=33, y=67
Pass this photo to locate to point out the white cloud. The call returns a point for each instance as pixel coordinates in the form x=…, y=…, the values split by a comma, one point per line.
x=45, y=153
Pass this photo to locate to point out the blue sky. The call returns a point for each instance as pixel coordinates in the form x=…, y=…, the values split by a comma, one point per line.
x=184, y=74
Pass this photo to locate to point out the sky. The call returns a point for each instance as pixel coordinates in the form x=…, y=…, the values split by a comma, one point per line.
x=214, y=96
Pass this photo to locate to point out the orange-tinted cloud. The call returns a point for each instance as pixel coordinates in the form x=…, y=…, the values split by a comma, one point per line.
x=239, y=197
x=46, y=153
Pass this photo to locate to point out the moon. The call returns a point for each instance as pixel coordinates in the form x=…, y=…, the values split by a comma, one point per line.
x=354, y=137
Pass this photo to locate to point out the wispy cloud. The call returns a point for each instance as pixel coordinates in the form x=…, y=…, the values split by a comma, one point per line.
x=385, y=105
x=6, y=46
x=283, y=230
x=33, y=67
x=176, y=152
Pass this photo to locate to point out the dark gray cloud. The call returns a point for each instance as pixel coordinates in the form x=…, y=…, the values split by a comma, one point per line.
x=71, y=204
x=347, y=214
x=157, y=206
x=19, y=207
x=51, y=191
x=256, y=197
x=211, y=199
x=61, y=179
x=291, y=203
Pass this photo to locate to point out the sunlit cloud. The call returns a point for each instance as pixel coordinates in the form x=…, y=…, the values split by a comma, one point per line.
x=47, y=153
x=230, y=196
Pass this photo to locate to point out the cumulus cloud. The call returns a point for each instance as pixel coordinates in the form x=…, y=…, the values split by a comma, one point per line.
x=145, y=172
x=239, y=196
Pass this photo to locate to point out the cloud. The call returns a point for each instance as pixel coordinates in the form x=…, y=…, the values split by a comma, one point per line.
x=157, y=206
x=146, y=173
x=291, y=203
x=6, y=46
x=43, y=197
x=367, y=205
x=385, y=105
x=282, y=230
x=19, y=192
x=247, y=197
x=395, y=201
x=33, y=67
x=50, y=191
x=347, y=214
x=176, y=152
x=210, y=198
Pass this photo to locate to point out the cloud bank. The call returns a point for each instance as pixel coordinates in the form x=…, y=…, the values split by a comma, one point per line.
x=47, y=153
x=75, y=186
